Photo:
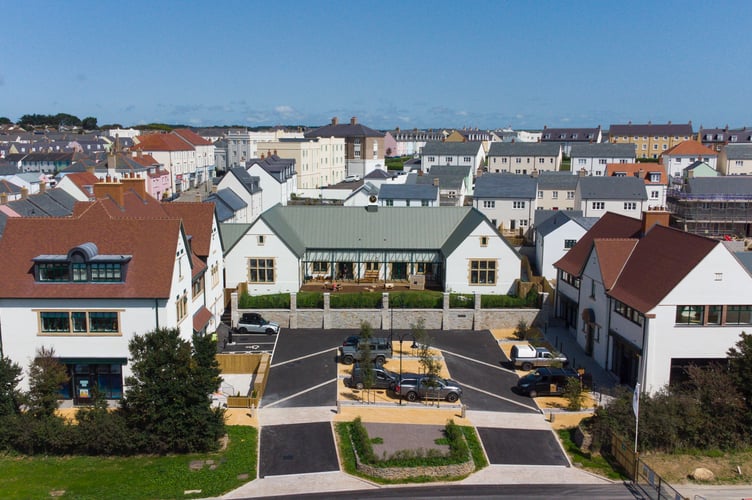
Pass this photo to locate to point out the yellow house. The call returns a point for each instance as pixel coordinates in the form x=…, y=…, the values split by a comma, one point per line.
x=651, y=139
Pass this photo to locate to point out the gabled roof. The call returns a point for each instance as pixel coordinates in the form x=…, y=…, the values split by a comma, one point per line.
x=151, y=244
x=344, y=130
x=280, y=169
x=603, y=150
x=738, y=151
x=651, y=129
x=191, y=137
x=570, y=134
x=198, y=220
x=721, y=185
x=504, y=185
x=697, y=164
x=161, y=142
x=250, y=182
x=611, y=225
x=449, y=180
x=8, y=187
x=689, y=148
x=546, y=225
x=524, y=149
x=612, y=188
x=378, y=174
x=638, y=170
x=408, y=192
x=612, y=255
x=83, y=180
x=438, y=148
x=659, y=261
x=557, y=180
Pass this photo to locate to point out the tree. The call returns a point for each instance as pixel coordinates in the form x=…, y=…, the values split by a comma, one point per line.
x=431, y=366
x=168, y=398
x=366, y=362
x=89, y=123
x=46, y=376
x=574, y=394
x=740, y=367
x=4, y=120
x=10, y=376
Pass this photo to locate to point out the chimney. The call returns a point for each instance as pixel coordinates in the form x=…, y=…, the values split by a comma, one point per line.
x=262, y=156
x=335, y=121
x=652, y=217
x=354, y=120
x=24, y=193
x=108, y=188
x=535, y=173
x=436, y=181
x=582, y=172
x=3, y=198
x=135, y=183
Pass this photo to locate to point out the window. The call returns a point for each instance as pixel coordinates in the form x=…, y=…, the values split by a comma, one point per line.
x=569, y=243
x=407, y=203
x=105, y=272
x=541, y=160
x=79, y=322
x=570, y=195
x=592, y=289
x=260, y=240
x=598, y=205
x=739, y=163
x=483, y=272
x=630, y=205
x=198, y=287
x=654, y=195
x=489, y=204
x=518, y=204
x=423, y=203
x=389, y=203
x=690, y=315
x=602, y=161
x=628, y=312
x=644, y=147
x=655, y=177
x=503, y=160
x=518, y=160
x=467, y=159
x=53, y=271
x=582, y=161
x=554, y=195
x=431, y=158
x=484, y=241
x=739, y=315
x=714, y=315
x=523, y=222
x=571, y=279
x=215, y=275
x=320, y=267
x=540, y=194
x=260, y=270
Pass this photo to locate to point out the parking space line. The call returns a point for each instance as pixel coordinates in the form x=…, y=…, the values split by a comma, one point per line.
x=479, y=362
x=302, y=357
x=299, y=393
x=499, y=397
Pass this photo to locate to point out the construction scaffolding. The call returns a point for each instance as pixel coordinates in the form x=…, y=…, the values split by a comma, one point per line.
x=713, y=215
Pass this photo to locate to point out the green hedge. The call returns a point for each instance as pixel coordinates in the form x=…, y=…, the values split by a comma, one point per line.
x=416, y=300
x=275, y=301
x=310, y=300
x=359, y=300
x=461, y=301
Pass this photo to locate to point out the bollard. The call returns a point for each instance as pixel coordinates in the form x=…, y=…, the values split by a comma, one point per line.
x=339, y=408
x=552, y=418
x=462, y=411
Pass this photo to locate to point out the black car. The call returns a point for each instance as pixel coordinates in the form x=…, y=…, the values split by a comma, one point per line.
x=546, y=381
x=382, y=378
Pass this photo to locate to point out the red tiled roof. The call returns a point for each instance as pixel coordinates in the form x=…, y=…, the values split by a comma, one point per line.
x=641, y=169
x=145, y=160
x=198, y=219
x=161, y=142
x=659, y=261
x=201, y=319
x=82, y=179
x=689, y=148
x=611, y=225
x=152, y=243
x=612, y=255
x=191, y=137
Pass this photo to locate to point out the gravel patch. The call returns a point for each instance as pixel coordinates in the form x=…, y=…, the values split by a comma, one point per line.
x=398, y=437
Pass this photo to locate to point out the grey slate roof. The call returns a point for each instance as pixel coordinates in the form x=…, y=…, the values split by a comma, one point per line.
x=280, y=169
x=746, y=260
x=524, y=149
x=723, y=185
x=62, y=198
x=378, y=173
x=650, y=129
x=437, y=148
x=561, y=217
x=569, y=134
x=408, y=192
x=612, y=188
x=226, y=203
x=388, y=228
x=557, y=180
x=446, y=181
x=503, y=185
x=603, y=150
x=344, y=130
x=450, y=170
x=738, y=151
x=542, y=215
x=248, y=181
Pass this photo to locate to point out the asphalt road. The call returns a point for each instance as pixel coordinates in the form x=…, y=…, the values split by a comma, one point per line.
x=297, y=449
x=521, y=447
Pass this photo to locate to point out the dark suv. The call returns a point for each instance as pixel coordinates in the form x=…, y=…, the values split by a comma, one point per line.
x=425, y=387
x=381, y=349
x=382, y=378
x=546, y=381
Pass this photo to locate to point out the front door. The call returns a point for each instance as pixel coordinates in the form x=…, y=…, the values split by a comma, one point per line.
x=399, y=270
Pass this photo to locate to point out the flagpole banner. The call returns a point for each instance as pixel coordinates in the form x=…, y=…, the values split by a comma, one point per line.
x=636, y=400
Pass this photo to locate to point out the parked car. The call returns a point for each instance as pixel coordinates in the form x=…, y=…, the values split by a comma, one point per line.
x=352, y=178
x=255, y=323
x=527, y=357
x=351, y=340
x=382, y=378
x=546, y=381
x=380, y=350
x=413, y=388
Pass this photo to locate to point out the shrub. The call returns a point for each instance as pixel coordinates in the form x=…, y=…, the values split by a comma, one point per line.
x=521, y=331
x=274, y=301
x=310, y=300
x=460, y=301
x=361, y=442
x=360, y=300
x=574, y=394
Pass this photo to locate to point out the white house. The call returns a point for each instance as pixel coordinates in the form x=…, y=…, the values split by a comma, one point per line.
x=593, y=158
x=595, y=196
x=454, y=154
x=277, y=178
x=409, y=195
x=556, y=232
x=684, y=154
x=652, y=174
x=455, y=247
x=245, y=187
x=508, y=200
x=524, y=157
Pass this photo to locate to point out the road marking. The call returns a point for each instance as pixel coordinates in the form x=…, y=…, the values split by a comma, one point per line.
x=299, y=393
x=479, y=362
x=302, y=357
x=498, y=397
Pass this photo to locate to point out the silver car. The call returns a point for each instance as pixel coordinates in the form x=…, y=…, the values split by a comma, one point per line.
x=425, y=387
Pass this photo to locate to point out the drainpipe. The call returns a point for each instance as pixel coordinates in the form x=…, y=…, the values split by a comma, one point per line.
x=156, y=313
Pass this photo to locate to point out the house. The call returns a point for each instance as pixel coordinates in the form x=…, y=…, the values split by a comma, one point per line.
x=523, y=157
x=593, y=158
x=453, y=183
x=277, y=178
x=654, y=304
x=654, y=176
x=229, y=206
x=205, y=162
x=556, y=232
x=411, y=142
x=367, y=194
x=507, y=200
x=698, y=169
x=596, y=196
x=319, y=161
x=684, y=154
x=409, y=195
x=79, y=185
x=651, y=139
x=455, y=247
x=390, y=145
x=716, y=207
x=716, y=138
x=86, y=292
x=245, y=187
x=175, y=154
x=568, y=137
x=364, y=146
x=555, y=190
x=485, y=137
x=735, y=159
x=453, y=154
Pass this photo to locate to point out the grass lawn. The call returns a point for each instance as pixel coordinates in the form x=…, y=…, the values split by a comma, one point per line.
x=146, y=477
x=588, y=461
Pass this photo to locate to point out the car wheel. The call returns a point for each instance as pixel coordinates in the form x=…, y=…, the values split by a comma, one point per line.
x=242, y=329
x=533, y=394
x=452, y=397
x=379, y=360
x=411, y=396
x=270, y=331
x=348, y=360
x=359, y=385
x=527, y=366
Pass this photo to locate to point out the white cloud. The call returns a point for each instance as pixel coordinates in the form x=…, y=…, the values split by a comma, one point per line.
x=284, y=110
x=462, y=113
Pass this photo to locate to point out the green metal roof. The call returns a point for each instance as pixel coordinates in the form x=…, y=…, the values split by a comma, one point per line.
x=230, y=233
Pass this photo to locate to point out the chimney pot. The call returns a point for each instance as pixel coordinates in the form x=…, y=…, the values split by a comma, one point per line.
x=354, y=120
x=335, y=120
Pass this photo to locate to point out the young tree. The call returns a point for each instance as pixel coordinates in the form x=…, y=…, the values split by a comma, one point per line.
x=431, y=366
x=46, y=376
x=168, y=398
x=10, y=397
x=366, y=363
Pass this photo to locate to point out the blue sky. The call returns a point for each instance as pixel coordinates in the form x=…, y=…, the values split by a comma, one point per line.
x=486, y=64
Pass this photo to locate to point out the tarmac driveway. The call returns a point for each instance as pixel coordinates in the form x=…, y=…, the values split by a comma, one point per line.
x=521, y=447
x=297, y=449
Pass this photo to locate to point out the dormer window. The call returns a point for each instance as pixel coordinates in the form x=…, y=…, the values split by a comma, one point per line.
x=82, y=264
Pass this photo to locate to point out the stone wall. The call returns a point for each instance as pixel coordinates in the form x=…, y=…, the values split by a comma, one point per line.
x=454, y=470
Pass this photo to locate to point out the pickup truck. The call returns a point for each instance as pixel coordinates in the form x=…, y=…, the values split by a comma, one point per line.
x=381, y=349
x=528, y=357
